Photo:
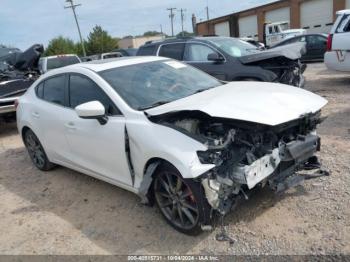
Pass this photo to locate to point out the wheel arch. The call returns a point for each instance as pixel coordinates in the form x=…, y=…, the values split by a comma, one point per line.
x=24, y=130
x=150, y=168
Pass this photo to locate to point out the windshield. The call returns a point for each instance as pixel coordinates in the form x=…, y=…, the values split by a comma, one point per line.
x=151, y=84
x=61, y=61
x=234, y=47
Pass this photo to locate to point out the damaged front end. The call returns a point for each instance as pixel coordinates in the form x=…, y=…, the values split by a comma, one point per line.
x=247, y=154
x=283, y=61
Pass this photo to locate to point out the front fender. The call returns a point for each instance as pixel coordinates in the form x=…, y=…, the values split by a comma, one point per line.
x=149, y=140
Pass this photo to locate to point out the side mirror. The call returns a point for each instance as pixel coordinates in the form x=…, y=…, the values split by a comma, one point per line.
x=215, y=57
x=92, y=110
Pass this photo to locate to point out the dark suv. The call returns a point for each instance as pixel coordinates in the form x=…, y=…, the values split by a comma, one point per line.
x=231, y=59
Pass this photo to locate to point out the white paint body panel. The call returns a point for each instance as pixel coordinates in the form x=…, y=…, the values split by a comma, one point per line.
x=99, y=150
x=338, y=58
x=314, y=13
x=248, y=26
x=259, y=102
x=222, y=29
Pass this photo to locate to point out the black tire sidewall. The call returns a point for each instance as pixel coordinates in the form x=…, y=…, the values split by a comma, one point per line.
x=48, y=165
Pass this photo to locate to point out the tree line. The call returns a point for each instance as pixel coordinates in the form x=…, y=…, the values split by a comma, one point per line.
x=98, y=41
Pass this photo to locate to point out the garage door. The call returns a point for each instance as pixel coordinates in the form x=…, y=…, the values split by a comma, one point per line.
x=316, y=16
x=347, y=4
x=248, y=26
x=222, y=29
x=278, y=15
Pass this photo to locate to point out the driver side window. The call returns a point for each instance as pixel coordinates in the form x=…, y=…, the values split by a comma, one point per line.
x=198, y=52
x=83, y=90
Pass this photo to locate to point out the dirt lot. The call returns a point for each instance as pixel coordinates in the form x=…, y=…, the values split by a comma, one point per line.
x=65, y=212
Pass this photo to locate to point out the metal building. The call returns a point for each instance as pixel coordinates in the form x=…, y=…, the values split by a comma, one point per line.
x=317, y=16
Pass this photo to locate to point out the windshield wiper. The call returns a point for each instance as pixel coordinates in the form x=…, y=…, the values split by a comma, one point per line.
x=158, y=103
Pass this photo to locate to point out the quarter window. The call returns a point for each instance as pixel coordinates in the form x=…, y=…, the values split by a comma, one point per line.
x=174, y=51
x=197, y=52
x=54, y=90
x=40, y=90
x=83, y=90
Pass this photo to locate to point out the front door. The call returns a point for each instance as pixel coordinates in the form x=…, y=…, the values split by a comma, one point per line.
x=196, y=54
x=95, y=147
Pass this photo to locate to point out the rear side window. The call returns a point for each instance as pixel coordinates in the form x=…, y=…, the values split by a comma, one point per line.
x=146, y=50
x=344, y=25
x=40, y=90
x=83, y=90
x=174, y=51
x=54, y=90
x=61, y=61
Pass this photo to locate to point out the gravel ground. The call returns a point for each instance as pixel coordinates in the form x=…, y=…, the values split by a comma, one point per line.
x=65, y=212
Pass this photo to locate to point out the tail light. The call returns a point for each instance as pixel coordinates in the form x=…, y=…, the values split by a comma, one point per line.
x=329, y=42
x=16, y=103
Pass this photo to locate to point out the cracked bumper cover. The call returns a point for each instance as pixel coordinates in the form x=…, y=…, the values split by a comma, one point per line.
x=264, y=168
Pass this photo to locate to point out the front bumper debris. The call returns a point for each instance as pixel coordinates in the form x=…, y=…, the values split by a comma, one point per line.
x=279, y=170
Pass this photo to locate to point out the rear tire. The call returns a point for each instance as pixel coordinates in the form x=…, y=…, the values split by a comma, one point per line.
x=182, y=202
x=36, y=151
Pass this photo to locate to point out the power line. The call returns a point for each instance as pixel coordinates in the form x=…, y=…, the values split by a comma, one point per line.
x=73, y=6
x=171, y=9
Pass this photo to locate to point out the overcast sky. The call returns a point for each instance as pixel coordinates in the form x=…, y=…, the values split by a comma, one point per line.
x=23, y=22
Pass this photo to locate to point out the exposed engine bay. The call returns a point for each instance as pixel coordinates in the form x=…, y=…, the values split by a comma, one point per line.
x=247, y=154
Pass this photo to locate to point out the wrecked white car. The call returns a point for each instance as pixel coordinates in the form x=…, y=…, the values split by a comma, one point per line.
x=171, y=133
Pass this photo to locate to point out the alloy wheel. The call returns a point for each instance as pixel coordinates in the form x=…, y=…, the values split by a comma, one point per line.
x=35, y=150
x=176, y=200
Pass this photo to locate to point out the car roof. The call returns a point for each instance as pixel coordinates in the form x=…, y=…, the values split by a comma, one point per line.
x=63, y=55
x=101, y=65
x=346, y=11
x=183, y=39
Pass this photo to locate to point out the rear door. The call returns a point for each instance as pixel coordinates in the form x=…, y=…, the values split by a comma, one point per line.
x=316, y=46
x=341, y=37
x=196, y=54
x=48, y=114
x=172, y=50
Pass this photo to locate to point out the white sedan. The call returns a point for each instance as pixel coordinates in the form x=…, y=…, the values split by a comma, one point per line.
x=170, y=133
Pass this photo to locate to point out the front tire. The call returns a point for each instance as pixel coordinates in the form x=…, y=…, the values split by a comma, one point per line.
x=36, y=151
x=181, y=201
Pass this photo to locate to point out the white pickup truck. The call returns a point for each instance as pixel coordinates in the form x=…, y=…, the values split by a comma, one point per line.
x=337, y=56
x=278, y=31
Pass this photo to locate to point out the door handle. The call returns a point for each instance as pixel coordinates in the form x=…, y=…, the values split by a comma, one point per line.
x=35, y=114
x=70, y=125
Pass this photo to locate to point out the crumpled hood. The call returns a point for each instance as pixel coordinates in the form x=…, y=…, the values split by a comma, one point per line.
x=292, y=52
x=259, y=102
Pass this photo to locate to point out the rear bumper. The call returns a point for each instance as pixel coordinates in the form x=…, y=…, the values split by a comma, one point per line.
x=337, y=60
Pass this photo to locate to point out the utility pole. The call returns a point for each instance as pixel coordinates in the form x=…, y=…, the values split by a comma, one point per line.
x=207, y=8
x=171, y=9
x=73, y=6
x=194, y=24
x=182, y=11
x=161, y=30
